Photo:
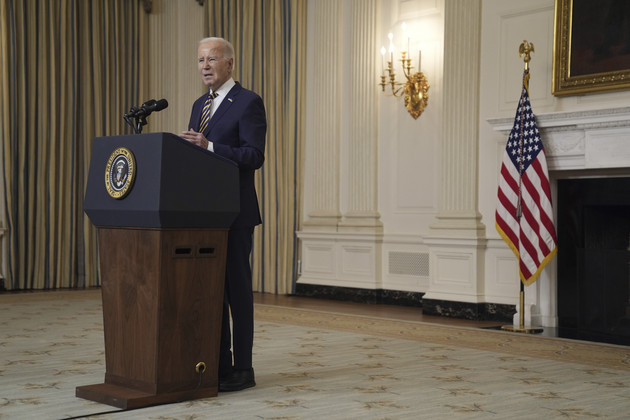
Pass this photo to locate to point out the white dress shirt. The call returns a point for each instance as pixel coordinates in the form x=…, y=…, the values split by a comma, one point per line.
x=222, y=93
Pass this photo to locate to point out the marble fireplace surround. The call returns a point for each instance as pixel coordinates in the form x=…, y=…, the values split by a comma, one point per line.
x=582, y=140
x=578, y=144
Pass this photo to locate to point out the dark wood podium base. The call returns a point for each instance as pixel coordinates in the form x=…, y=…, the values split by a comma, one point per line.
x=127, y=398
x=162, y=307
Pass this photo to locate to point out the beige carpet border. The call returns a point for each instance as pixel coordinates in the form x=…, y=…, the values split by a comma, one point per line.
x=550, y=348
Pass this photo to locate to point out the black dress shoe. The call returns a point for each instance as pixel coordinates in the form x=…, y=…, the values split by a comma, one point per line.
x=225, y=372
x=239, y=379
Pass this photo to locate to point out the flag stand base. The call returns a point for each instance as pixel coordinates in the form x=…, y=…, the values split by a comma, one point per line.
x=521, y=329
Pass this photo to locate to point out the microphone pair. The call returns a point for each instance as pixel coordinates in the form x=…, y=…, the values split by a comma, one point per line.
x=147, y=108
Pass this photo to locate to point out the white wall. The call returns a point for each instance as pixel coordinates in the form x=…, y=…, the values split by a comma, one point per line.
x=409, y=161
x=384, y=249
x=505, y=24
x=408, y=168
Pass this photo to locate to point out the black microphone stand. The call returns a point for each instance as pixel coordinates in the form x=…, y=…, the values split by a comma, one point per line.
x=139, y=119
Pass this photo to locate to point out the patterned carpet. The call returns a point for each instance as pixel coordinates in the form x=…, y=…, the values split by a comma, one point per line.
x=314, y=365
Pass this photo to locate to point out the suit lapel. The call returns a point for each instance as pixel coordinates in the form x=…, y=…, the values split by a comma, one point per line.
x=197, y=117
x=226, y=103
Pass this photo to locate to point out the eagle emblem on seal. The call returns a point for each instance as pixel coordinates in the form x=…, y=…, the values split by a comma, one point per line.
x=120, y=173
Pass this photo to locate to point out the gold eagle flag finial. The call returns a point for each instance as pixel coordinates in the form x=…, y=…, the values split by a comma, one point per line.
x=526, y=49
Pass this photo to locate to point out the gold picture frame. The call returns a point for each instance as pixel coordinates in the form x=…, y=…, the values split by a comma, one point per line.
x=591, y=51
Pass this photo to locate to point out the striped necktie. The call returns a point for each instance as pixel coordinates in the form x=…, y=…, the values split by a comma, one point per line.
x=205, y=112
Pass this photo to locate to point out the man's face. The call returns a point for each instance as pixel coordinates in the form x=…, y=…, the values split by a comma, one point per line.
x=213, y=67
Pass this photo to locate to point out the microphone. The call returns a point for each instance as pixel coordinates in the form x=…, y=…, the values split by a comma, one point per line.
x=151, y=106
x=140, y=114
x=132, y=113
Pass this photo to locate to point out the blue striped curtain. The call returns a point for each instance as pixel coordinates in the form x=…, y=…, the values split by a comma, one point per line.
x=69, y=69
x=269, y=38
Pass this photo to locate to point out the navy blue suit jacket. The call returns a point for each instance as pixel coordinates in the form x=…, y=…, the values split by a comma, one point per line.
x=237, y=130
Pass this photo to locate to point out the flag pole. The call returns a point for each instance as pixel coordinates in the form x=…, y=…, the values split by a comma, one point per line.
x=525, y=50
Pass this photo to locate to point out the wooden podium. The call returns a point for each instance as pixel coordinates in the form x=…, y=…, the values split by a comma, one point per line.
x=163, y=208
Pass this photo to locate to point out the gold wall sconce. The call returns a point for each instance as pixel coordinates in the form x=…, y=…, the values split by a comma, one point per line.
x=415, y=88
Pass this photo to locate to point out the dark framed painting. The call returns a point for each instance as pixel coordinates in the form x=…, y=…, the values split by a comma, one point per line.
x=591, y=46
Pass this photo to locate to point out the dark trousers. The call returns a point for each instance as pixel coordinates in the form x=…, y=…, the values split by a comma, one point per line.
x=238, y=301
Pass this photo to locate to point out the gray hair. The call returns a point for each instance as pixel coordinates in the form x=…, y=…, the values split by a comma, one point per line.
x=228, y=49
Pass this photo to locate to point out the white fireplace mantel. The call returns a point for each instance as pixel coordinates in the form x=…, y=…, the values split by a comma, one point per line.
x=580, y=140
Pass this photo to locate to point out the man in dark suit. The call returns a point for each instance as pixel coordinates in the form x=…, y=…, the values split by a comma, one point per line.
x=230, y=121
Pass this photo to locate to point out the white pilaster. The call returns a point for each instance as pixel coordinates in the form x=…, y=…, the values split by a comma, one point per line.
x=341, y=147
x=360, y=128
x=323, y=114
x=457, y=238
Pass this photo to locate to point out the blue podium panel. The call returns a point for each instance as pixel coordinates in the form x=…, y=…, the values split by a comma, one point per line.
x=159, y=180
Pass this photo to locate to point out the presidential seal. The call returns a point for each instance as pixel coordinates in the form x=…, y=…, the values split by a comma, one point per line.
x=120, y=173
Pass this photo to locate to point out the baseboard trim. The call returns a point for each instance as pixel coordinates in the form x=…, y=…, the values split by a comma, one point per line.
x=469, y=310
x=351, y=294
x=451, y=309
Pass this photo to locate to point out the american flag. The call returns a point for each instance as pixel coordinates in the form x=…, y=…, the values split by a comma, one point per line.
x=524, y=215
